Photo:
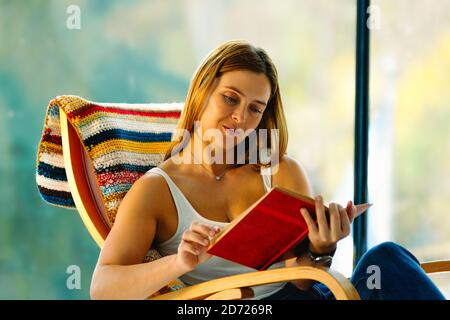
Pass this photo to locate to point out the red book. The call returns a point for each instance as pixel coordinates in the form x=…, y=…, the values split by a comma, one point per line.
x=265, y=231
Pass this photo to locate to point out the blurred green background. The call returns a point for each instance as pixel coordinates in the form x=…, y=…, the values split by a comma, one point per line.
x=147, y=51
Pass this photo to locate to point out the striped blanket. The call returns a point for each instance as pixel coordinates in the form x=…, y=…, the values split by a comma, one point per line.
x=123, y=142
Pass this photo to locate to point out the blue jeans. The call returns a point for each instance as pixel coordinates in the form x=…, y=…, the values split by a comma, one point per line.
x=401, y=278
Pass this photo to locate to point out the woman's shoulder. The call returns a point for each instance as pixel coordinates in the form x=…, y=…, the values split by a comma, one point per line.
x=147, y=187
x=291, y=174
x=169, y=167
x=288, y=163
x=151, y=189
x=155, y=179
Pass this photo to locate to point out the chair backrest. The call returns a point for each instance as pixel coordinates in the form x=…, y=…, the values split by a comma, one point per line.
x=109, y=145
x=91, y=153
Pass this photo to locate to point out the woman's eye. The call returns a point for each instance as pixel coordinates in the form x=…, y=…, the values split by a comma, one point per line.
x=229, y=100
x=256, y=110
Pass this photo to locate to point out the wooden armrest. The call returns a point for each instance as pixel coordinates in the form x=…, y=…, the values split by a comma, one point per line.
x=436, y=266
x=232, y=294
x=340, y=286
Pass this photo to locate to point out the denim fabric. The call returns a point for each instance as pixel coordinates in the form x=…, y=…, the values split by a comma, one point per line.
x=401, y=278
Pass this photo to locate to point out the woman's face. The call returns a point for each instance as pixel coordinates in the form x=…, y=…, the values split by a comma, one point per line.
x=238, y=100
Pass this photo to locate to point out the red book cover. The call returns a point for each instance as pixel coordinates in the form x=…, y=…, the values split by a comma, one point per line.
x=265, y=231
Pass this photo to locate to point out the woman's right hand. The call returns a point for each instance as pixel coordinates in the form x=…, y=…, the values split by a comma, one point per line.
x=192, y=248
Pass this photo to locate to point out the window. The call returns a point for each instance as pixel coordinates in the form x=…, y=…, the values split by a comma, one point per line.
x=409, y=171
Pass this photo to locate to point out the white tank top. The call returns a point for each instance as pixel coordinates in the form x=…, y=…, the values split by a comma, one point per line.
x=215, y=267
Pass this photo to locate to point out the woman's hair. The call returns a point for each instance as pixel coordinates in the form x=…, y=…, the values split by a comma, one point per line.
x=230, y=56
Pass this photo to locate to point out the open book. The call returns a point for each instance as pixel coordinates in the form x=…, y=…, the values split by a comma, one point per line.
x=267, y=230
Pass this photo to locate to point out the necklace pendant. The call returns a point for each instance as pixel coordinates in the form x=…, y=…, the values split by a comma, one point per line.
x=218, y=178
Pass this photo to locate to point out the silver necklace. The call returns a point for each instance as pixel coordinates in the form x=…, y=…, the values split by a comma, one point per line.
x=219, y=177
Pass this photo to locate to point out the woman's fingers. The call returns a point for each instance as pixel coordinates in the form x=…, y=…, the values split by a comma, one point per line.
x=321, y=217
x=309, y=220
x=335, y=222
x=205, y=230
x=349, y=211
x=192, y=236
x=199, y=233
x=190, y=247
x=345, y=221
x=352, y=211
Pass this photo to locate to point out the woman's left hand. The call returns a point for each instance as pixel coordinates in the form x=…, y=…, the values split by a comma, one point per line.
x=324, y=236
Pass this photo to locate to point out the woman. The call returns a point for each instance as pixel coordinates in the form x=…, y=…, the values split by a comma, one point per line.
x=179, y=205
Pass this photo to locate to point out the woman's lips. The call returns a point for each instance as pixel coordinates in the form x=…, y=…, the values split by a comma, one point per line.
x=230, y=132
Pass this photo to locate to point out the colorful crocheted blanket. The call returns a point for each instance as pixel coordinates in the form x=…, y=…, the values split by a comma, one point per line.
x=123, y=141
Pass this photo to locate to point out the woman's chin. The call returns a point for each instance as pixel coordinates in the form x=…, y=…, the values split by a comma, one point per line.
x=224, y=145
x=232, y=143
x=227, y=142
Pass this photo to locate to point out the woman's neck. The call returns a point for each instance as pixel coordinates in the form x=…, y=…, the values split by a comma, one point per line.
x=201, y=154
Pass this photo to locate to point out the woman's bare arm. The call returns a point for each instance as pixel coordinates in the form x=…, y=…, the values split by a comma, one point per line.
x=137, y=281
x=120, y=272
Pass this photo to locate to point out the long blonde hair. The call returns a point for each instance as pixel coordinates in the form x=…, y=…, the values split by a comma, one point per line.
x=229, y=56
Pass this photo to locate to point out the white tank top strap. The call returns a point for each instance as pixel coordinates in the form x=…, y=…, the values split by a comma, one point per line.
x=177, y=195
x=266, y=173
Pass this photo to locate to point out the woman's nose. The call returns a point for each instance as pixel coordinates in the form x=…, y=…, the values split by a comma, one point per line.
x=239, y=114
